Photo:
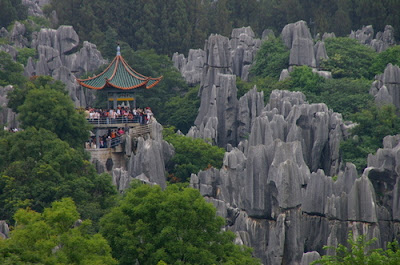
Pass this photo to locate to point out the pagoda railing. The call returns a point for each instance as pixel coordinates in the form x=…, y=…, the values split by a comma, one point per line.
x=119, y=120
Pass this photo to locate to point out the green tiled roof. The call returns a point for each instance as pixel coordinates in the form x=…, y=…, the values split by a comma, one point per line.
x=119, y=75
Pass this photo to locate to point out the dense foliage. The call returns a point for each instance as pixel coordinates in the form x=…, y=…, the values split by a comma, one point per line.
x=10, y=71
x=178, y=25
x=374, y=124
x=11, y=10
x=359, y=252
x=54, y=111
x=391, y=55
x=52, y=238
x=348, y=58
x=345, y=95
x=272, y=57
x=191, y=156
x=175, y=226
x=37, y=168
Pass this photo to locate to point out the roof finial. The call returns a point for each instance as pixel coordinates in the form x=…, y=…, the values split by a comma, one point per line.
x=118, y=49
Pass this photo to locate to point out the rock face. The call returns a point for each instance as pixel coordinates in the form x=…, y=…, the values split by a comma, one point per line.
x=297, y=38
x=386, y=87
x=243, y=47
x=146, y=162
x=382, y=41
x=278, y=200
x=60, y=58
x=191, y=67
x=7, y=116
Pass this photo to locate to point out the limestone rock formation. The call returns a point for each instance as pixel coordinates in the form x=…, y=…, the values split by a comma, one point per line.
x=59, y=57
x=297, y=38
x=7, y=116
x=191, y=68
x=17, y=35
x=244, y=48
x=382, y=41
x=4, y=230
x=34, y=7
x=240, y=53
x=276, y=188
x=386, y=87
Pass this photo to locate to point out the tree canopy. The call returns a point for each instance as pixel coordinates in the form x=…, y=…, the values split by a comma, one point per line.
x=54, y=237
x=54, y=111
x=359, y=252
x=37, y=168
x=191, y=156
x=175, y=226
x=180, y=25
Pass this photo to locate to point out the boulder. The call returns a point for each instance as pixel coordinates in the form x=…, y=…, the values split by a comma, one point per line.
x=7, y=116
x=386, y=87
x=16, y=35
x=4, y=230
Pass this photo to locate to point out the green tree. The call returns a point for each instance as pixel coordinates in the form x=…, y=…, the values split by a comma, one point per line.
x=176, y=226
x=10, y=71
x=191, y=156
x=271, y=58
x=11, y=10
x=358, y=252
x=52, y=237
x=37, y=168
x=54, y=111
x=17, y=96
x=348, y=58
x=373, y=124
x=391, y=55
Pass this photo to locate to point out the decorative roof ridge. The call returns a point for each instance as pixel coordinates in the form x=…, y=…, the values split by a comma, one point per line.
x=118, y=58
x=133, y=72
x=90, y=78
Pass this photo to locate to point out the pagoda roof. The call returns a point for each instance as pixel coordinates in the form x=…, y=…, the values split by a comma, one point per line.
x=119, y=75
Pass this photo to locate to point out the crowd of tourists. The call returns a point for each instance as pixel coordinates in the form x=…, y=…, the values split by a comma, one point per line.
x=112, y=137
x=119, y=115
x=13, y=130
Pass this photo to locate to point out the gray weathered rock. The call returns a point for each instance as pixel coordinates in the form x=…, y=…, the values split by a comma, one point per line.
x=284, y=75
x=386, y=87
x=320, y=52
x=149, y=161
x=59, y=58
x=33, y=8
x=3, y=33
x=362, y=201
x=382, y=41
x=192, y=67
x=7, y=116
x=16, y=35
x=309, y=257
x=244, y=48
x=364, y=35
x=328, y=35
x=302, y=52
x=250, y=107
x=4, y=230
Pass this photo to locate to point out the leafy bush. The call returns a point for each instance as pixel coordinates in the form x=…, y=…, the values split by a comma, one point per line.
x=191, y=156
x=24, y=54
x=37, y=168
x=348, y=58
x=391, y=55
x=181, y=111
x=10, y=71
x=52, y=238
x=176, y=226
x=271, y=58
x=359, y=252
x=374, y=124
